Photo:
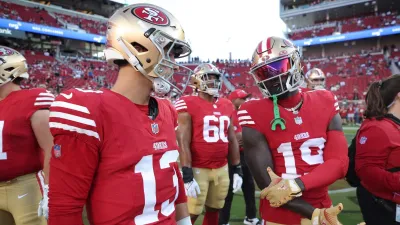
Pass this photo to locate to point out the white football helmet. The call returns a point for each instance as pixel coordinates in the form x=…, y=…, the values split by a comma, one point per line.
x=12, y=65
x=207, y=79
x=315, y=79
x=149, y=38
x=276, y=67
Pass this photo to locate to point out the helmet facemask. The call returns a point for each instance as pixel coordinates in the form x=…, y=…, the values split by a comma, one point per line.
x=211, y=84
x=279, y=76
x=162, y=74
x=317, y=83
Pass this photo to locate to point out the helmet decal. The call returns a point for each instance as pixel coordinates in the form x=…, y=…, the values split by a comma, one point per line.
x=5, y=52
x=151, y=15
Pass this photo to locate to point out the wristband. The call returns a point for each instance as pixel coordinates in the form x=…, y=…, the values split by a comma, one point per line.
x=238, y=170
x=184, y=221
x=187, y=174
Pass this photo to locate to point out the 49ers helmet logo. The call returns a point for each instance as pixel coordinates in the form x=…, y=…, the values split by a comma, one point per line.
x=151, y=15
x=5, y=52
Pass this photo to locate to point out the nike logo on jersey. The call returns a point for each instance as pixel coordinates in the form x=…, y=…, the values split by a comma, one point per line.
x=67, y=96
x=21, y=196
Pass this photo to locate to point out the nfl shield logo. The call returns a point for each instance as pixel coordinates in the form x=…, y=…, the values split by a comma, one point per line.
x=154, y=128
x=363, y=140
x=57, y=151
x=298, y=120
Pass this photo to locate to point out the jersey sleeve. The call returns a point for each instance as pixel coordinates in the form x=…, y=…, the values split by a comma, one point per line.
x=182, y=198
x=246, y=116
x=332, y=103
x=181, y=105
x=73, y=165
x=39, y=99
x=71, y=114
x=75, y=155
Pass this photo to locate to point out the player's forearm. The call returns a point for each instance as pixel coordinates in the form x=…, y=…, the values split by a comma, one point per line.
x=181, y=211
x=233, y=147
x=184, y=140
x=319, y=176
x=46, y=166
x=298, y=205
x=234, y=155
x=185, y=156
x=258, y=167
x=335, y=161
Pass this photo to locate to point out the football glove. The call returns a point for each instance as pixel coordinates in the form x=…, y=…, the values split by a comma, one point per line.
x=327, y=216
x=191, y=186
x=43, y=209
x=280, y=191
x=237, y=178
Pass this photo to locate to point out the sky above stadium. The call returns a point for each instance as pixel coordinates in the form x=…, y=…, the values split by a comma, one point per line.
x=214, y=30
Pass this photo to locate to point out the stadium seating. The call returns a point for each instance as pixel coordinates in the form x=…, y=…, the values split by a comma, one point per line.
x=346, y=25
x=344, y=73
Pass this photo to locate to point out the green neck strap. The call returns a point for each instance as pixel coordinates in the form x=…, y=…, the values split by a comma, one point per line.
x=277, y=118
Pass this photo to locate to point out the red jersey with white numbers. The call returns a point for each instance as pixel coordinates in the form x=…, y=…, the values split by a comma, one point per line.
x=298, y=149
x=210, y=123
x=20, y=153
x=108, y=151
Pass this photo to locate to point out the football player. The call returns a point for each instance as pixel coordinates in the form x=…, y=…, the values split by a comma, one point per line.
x=206, y=137
x=315, y=80
x=116, y=150
x=297, y=136
x=24, y=139
x=238, y=97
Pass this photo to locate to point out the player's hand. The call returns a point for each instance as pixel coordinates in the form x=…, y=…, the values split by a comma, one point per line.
x=43, y=209
x=327, y=216
x=237, y=182
x=191, y=186
x=192, y=189
x=280, y=191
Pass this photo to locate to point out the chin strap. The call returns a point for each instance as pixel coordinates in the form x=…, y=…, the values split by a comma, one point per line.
x=277, y=118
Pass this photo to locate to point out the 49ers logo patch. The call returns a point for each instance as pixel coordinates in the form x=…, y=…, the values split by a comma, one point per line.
x=5, y=52
x=151, y=15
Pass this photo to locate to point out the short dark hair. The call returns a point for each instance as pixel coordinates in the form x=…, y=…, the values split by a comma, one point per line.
x=380, y=95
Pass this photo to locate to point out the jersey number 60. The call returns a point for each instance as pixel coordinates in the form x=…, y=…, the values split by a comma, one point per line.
x=214, y=133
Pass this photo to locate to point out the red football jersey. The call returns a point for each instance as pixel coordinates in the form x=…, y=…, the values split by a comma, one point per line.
x=20, y=153
x=298, y=149
x=305, y=89
x=108, y=151
x=210, y=123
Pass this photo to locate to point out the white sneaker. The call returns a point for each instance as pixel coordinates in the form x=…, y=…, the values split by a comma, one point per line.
x=253, y=221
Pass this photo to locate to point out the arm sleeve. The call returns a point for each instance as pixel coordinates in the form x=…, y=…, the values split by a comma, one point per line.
x=75, y=155
x=40, y=99
x=335, y=162
x=333, y=104
x=72, y=167
x=181, y=105
x=182, y=192
x=372, y=152
x=246, y=117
